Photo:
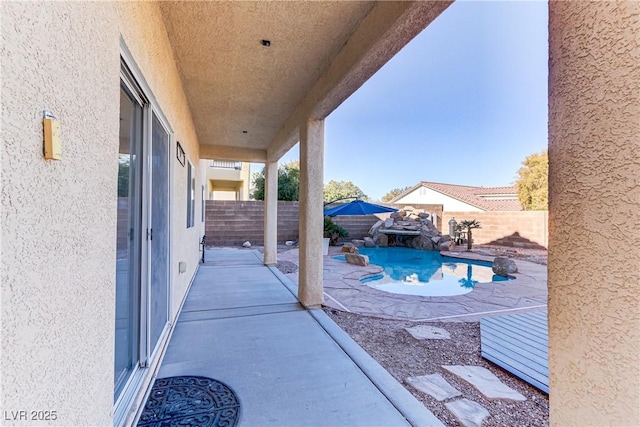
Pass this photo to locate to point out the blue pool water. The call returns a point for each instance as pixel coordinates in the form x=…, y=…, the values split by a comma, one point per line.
x=426, y=273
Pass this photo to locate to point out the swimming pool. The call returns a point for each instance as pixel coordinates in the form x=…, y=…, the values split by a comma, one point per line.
x=427, y=273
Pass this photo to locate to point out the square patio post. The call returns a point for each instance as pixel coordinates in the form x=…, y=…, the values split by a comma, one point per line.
x=271, y=213
x=310, y=290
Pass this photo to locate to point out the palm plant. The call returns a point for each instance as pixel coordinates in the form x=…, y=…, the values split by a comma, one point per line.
x=333, y=231
x=469, y=225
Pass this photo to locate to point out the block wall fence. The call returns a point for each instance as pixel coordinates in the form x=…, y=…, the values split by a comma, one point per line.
x=509, y=228
x=230, y=223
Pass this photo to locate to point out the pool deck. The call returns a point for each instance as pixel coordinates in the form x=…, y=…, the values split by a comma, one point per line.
x=344, y=291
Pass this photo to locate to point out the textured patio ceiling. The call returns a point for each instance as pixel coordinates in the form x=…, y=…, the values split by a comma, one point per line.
x=247, y=99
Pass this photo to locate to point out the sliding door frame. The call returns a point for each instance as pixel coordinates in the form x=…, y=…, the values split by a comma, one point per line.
x=133, y=79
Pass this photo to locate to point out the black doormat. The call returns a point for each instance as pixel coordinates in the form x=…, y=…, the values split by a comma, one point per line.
x=190, y=401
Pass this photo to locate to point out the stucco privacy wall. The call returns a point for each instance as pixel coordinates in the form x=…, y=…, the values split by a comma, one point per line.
x=594, y=192
x=59, y=217
x=531, y=225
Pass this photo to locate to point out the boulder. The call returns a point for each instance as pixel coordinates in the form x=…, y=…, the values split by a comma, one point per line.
x=383, y=241
x=357, y=259
x=436, y=239
x=422, y=242
x=503, y=266
x=402, y=213
x=423, y=215
x=350, y=248
x=446, y=246
x=395, y=215
x=428, y=229
x=358, y=242
x=369, y=243
x=428, y=233
x=246, y=244
x=375, y=227
x=388, y=223
x=445, y=238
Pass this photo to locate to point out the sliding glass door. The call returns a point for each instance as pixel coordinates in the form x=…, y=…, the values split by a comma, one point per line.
x=159, y=241
x=128, y=239
x=143, y=237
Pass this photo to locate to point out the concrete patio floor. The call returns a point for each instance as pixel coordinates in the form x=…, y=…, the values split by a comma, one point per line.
x=344, y=291
x=241, y=324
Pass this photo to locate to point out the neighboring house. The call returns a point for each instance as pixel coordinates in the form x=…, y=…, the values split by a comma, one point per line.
x=226, y=179
x=461, y=198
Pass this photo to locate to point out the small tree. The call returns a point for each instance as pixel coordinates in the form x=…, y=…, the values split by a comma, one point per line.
x=288, y=182
x=469, y=225
x=335, y=190
x=533, y=182
x=393, y=193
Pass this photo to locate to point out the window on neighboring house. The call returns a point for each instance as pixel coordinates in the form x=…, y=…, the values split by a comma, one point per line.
x=191, y=195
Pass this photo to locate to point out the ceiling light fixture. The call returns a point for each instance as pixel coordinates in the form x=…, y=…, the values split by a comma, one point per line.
x=266, y=43
x=245, y=131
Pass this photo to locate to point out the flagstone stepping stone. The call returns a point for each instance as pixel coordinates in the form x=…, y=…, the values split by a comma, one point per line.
x=435, y=386
x=486, y=383
x=468, y=412
x=425, y=332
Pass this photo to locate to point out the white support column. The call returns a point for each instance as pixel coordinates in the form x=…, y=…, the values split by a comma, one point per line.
x=310, y=290
x=271, y=213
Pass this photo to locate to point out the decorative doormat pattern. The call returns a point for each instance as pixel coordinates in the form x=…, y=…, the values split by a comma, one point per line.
x=190, y=401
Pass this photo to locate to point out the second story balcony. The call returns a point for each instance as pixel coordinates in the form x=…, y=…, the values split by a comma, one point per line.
x=225, y=164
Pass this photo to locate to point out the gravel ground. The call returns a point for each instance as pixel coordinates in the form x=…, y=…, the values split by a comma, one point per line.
x=404, y=356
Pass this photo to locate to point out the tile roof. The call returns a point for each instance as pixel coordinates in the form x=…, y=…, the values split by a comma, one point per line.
x=486, y=198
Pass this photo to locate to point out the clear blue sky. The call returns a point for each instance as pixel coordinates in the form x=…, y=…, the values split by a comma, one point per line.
x=463, y=103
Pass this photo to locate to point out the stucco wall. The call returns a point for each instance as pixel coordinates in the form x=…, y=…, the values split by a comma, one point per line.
x=59, y=217
x=594, y=192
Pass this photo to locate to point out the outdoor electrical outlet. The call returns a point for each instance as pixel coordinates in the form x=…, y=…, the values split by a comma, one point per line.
x=182, y=267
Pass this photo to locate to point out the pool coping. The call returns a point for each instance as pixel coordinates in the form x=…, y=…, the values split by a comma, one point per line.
x=527, y=291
